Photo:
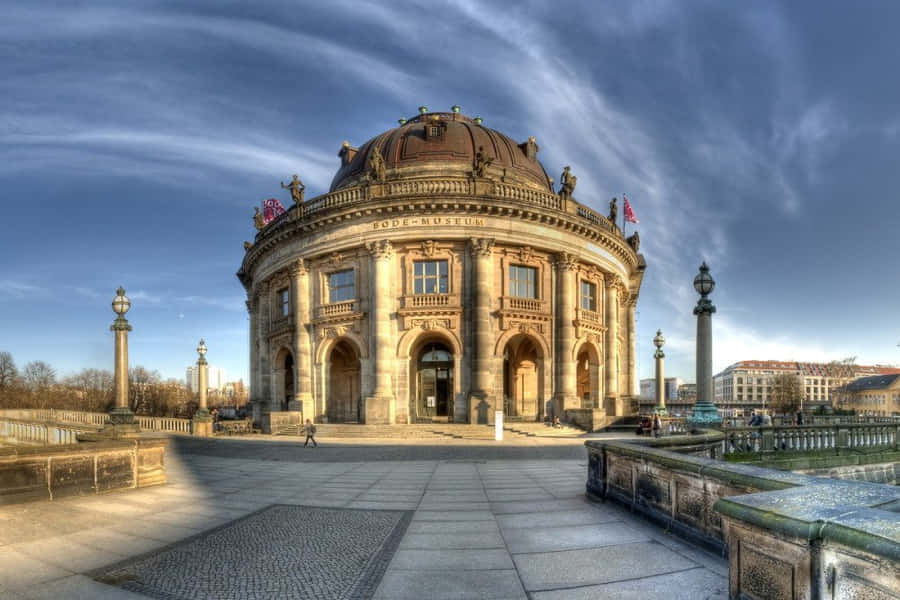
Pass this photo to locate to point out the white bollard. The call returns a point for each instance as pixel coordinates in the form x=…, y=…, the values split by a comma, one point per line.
x=498, y=425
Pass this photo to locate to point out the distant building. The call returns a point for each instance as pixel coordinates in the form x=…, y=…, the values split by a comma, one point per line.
x=215, y=378
x=747, y=384
x=875, y=395
x=648, y=392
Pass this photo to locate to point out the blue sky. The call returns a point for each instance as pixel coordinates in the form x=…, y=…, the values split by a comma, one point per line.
x=135, y=139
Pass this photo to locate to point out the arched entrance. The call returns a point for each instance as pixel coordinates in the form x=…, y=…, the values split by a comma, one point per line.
x=343, y=384
x=522, y=378
x=433, y=377
x=587, y=375
x=288, y=375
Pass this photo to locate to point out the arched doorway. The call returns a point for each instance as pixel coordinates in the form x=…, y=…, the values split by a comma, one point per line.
x=522, y=378
x=288, y=375
x=587, y=375
x=343, y=384
x=434, y=381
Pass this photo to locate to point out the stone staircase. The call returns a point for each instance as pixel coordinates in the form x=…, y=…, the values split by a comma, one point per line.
x=433, y=431
x=532, y=429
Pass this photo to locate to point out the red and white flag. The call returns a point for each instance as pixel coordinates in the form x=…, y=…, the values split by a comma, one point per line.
x=629, y=214
x=271, y=209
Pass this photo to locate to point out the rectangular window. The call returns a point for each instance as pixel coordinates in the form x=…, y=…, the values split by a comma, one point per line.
x=341, y=286
x=588, y=296
x=430, y=277
x=284, y=300
x=522, y=282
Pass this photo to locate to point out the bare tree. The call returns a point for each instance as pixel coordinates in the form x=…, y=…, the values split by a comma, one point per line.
x=39, y=378
x=8, y=371
x=92, y=388
x=787, y=393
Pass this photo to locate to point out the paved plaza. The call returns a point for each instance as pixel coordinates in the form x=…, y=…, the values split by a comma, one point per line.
x=240, y=519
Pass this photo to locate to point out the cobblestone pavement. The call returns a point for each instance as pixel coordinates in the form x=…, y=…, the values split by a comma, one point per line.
x=481, y=526
x=279, y=552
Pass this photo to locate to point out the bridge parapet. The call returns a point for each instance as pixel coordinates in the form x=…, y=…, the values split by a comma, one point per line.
x=787, y=535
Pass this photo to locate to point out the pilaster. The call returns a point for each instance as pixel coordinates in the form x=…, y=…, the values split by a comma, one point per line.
x=481, y=398
x=566, y=382
x=299, y=273
x=380, y=407
x=611, y=351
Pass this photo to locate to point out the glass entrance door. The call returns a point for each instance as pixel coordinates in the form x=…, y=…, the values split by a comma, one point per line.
x=435, y=381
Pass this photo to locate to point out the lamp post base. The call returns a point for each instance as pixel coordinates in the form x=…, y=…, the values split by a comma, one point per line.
x=703, y=416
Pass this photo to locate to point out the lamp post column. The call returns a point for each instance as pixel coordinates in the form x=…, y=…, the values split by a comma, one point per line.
x=380, y=406
x=202, y=421
x=610, y=349
x=704, y=413
x=481, y=404
x=121, y=417
x=659, y=355
x=566, y=383
x=302, y=364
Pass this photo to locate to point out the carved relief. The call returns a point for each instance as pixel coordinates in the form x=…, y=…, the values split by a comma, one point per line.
x=481, y=246
x=428, y=247
x=567, y=262
x=332, y=332
x=335, y=260
x=380, y=250
x=298, y=267
x=429, y=324
x=526, y=253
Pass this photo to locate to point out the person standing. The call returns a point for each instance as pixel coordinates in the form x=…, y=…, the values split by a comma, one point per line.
x=310, y=431
x=657, y=425
x=799, y=418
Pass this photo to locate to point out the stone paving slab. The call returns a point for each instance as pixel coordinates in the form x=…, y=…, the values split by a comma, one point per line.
x=571, y=537
x=587, y=516
x=442, y=541
x=555, y=570
x=454, y=560
x=693, y=584
x=451, y=585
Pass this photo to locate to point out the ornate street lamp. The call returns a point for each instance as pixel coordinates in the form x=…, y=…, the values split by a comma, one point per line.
x=704, y=413
x=121, y=415
x=659, y=355
x=202, y=413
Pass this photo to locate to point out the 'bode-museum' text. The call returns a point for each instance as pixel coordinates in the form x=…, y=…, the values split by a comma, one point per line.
x=416, y=221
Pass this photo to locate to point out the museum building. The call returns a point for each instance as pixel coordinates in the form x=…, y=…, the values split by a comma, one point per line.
x=442, y=278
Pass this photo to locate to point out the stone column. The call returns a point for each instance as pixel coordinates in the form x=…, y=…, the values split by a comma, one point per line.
x=264, y=373
x=303, y=400
x=252, y=307
x=202, y=424
x=566, y=382
x=481, y=399
x=380, y=406
x=203, y=384
x=632, y=352
x=611, y=319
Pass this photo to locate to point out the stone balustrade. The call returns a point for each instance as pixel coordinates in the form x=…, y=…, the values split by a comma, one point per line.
x=167, y=424
x=787, y=535
x=812, y=438
x=27, y=433
x=53, y=415
x=527, y=304
x=324, y=311
x=430, y=301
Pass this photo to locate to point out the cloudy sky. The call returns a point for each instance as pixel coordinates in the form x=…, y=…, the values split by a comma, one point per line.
x=135, y=139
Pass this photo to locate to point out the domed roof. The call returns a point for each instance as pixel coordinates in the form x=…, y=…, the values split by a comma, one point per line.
x=446, y=144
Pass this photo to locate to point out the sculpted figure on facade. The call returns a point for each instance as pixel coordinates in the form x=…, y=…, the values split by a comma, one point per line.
x=296, y=187
x=613, y=210
x=567, y=183
x=481, y=163
x=634, y=241
x=377, y=169
x=258, y=221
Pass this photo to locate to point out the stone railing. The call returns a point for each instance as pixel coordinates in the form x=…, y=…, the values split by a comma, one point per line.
x=29, y=433
x=529, y=304
x=430, y=300
x=167, y=424
x=51, y=472
x=324, y=311
x=811, y=438
x=786, y=535
x=52, y=415
x=788, y=420
x=279, y=324
x=523, y=194
x=333, y=200
x=589, y=316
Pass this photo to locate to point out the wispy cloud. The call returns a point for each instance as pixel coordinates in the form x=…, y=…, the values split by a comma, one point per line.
x=19, y=289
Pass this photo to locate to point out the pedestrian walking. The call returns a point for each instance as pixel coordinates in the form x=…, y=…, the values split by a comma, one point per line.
x=657, y=425
x=310, y=431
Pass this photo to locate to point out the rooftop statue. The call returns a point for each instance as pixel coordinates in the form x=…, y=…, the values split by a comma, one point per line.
x=482, y=162
x=567, y=183
x=613, y=211
x=258, y=220
x=376, y=165
x=296, y=186
x=634, y=241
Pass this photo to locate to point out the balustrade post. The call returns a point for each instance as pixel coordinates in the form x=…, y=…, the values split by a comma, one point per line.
x=843, y=439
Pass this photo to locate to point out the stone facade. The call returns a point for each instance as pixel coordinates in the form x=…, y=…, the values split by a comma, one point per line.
x=449, y=283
